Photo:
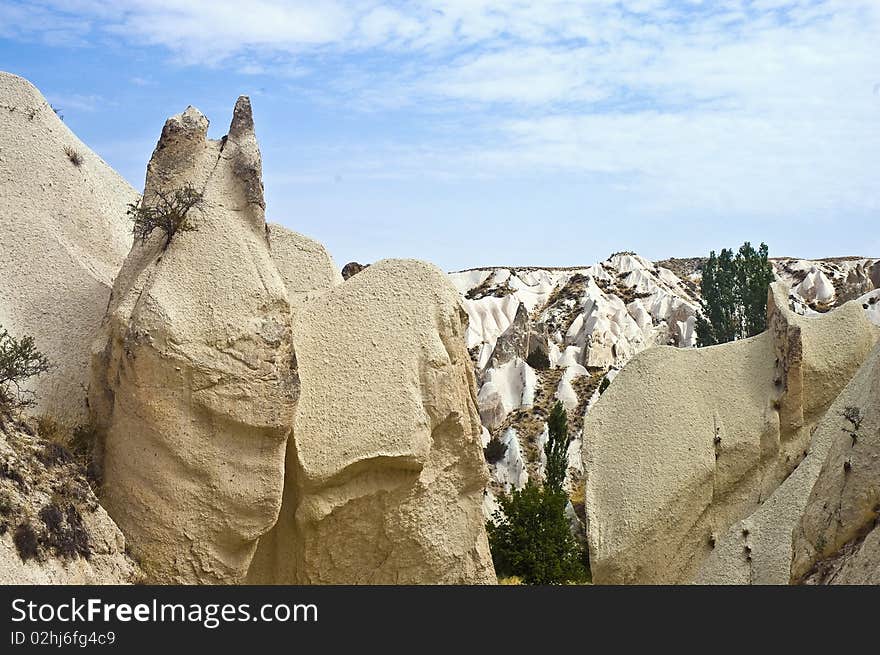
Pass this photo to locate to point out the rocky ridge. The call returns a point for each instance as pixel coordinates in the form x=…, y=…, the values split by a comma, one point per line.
x=536, y=335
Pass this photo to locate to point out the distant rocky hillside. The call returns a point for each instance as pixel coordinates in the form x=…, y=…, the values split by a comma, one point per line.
x=536, y=335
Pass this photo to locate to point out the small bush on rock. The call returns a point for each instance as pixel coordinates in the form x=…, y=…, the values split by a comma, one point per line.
x=167, y=212
x=75, y=158
x=19, y=360
x=495, y=450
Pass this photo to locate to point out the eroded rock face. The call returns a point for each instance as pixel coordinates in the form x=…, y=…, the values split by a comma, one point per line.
x=758, y=549
x=836, y=538
x=194, y=378
x=385, y=472
x=687, y=442
x=63, y=237
x=304, y=264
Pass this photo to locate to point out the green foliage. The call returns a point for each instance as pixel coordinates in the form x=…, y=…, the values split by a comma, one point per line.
x=604, y=384
x=19, y=360
x=168, y=212
x=530, y=536
x=734, y=290
x=495, y=450
x=556, y=449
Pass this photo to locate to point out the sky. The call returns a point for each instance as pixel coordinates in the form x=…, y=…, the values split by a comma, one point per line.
x=474, y=133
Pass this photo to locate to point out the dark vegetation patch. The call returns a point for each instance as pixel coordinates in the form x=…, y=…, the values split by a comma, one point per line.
x=584, y=386
x=26, y=542
x=538, y=360
x=53, y=454
x=12, y=474
x=65, y=533
x=486, y=288
x=73, y=155
x=495, y=450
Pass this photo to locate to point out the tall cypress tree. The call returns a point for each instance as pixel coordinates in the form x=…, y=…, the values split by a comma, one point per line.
x=556, y=448
x=734, y=290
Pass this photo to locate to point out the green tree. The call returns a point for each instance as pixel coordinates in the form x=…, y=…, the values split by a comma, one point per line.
x=530, y=536
x=734, y=290
x=19, y=360
x=556, y=449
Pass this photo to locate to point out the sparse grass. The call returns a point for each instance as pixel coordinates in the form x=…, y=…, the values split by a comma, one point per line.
x=40, y=457
x=584, y=386
x=578, y=493
x=12, y=474
x=488, y=289
x=65, y=533
x=73, y=155
x=65, y=445
x=8, y=508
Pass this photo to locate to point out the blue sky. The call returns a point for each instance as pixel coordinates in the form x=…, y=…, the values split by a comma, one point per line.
x=473, y=133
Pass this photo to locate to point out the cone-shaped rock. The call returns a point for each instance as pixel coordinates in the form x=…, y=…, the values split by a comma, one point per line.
x=194, y=379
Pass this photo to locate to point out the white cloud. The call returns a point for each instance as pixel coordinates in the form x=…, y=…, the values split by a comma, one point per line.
x=744, y=104
x=79, y=102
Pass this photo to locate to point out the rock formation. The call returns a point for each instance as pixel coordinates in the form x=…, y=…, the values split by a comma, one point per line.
x=194, y=379
x=687, y=442
x=758, y=549
x=385, y=471
x=220, y=341
x=305, y=265
x=836, y=538
x=63, y=237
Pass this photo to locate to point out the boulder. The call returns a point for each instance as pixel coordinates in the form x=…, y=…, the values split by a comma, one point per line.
x=514, y=341
x=194, y=379
x=63, y=236
x=385, y=471
x=874, y=274
x=685, y=443
x=304, y=264
x=352, y=268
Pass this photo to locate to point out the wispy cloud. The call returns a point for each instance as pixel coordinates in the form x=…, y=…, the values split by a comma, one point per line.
x=743, y=104
x=78, y=102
